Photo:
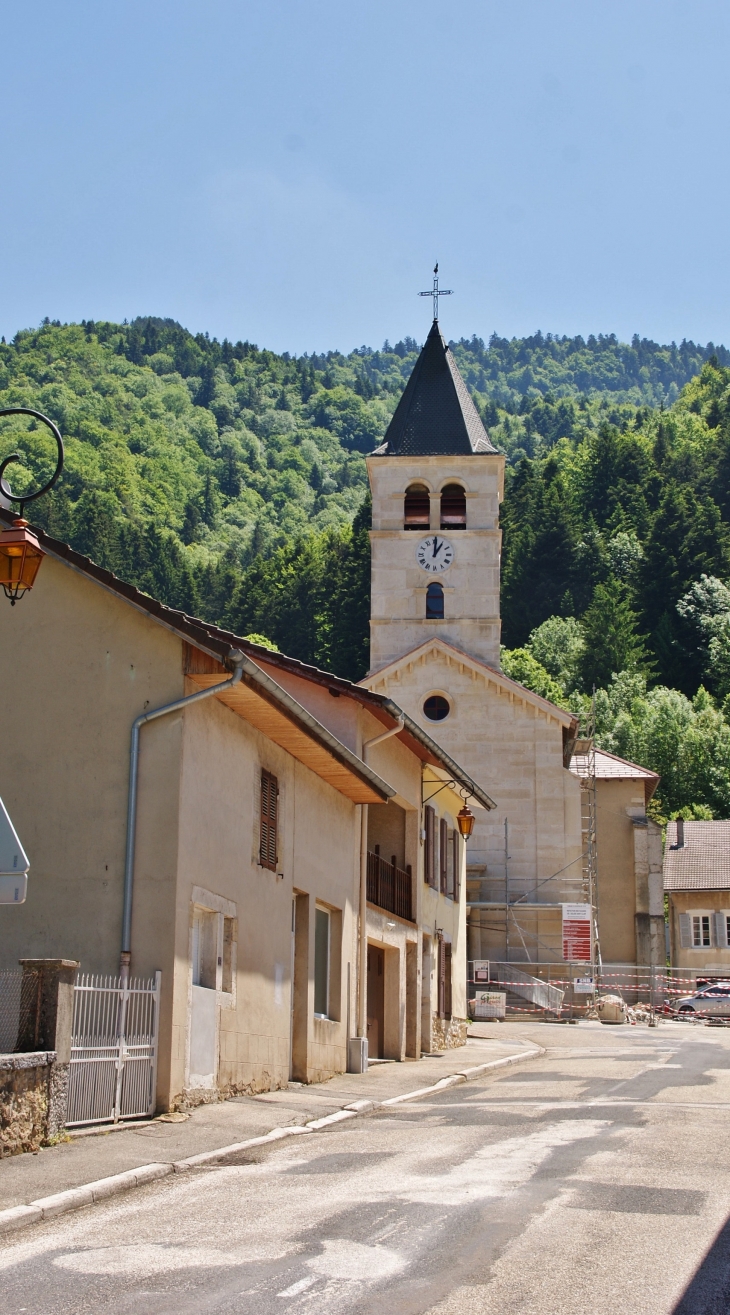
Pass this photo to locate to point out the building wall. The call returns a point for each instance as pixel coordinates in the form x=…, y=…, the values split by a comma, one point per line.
x=471, y=584
x=715, y=958
x=77, y=666
x=515, y=751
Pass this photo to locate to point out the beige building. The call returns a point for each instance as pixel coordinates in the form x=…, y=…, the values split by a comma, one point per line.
x=629, y=861
x=697, y=883
x=295, y=887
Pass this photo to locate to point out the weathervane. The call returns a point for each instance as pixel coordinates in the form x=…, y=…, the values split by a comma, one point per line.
x=437, y=292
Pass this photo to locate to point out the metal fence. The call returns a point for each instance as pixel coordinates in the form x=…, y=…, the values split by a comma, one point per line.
x=113, y=1049
x=571, y=989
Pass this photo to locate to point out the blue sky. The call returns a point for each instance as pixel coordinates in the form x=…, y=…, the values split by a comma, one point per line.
x=289, y=172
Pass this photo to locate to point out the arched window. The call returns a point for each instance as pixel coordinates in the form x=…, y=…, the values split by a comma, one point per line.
x=453, y=508
x=417, y=508
x=434, y=602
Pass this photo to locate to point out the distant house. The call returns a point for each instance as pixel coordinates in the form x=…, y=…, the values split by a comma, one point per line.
x=629, y=860
x=697, y=881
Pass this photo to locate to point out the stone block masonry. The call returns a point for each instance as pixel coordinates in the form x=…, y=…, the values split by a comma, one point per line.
x=26, y=1101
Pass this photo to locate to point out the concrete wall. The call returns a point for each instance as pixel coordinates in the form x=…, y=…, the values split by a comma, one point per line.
x=77, y=666
x=471, y=584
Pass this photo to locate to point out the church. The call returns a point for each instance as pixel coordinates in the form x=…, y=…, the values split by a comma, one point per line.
x=437, y=482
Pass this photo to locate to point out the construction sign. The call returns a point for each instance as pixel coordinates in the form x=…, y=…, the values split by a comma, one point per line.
x=577, y=933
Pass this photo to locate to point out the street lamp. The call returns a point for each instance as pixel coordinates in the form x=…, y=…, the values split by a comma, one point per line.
x=20, y=552
x=465, y=820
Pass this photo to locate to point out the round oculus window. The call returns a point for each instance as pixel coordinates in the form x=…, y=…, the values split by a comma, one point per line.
x=436, y=707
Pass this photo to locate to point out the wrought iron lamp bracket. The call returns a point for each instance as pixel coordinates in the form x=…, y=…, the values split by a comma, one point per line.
x=15, y=456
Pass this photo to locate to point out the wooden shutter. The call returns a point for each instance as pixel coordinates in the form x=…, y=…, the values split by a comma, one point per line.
x=443, y=855
x=269, y=812
x=429, y=872
x=441, y=976
x=447, y=979
x=720, y=929
x=457, y=866
x=685, y=931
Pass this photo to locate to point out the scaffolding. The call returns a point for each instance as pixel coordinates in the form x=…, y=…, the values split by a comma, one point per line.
x=577, y=881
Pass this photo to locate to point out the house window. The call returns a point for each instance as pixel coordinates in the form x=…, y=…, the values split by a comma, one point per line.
x=457, y=864
x=269, y=819
x=434, y=603
x=450, y=853
x=205, y=948
x=229, y=925
x=429, y=867
x=443, y=855
x=453, y=508
x=701, y=930
x=417, y=508
x=321, y=962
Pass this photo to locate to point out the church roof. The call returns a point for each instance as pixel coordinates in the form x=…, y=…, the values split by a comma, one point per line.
x=436, y=415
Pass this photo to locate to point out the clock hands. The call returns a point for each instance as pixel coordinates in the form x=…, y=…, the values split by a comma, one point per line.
x=436, y=545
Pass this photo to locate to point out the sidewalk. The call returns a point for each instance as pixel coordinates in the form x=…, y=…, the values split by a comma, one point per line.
x=88, y=1158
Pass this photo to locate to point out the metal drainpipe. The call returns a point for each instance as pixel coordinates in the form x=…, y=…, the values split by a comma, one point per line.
x=238, y=659
x=363, y=925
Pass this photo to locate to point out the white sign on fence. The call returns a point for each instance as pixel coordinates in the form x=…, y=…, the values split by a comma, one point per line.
x=13, y=862
x=490, y=1004
x=577, y=933
x=480, y=969
x=584, y=986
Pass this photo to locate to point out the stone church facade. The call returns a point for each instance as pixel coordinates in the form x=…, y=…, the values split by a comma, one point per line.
x=437, y=483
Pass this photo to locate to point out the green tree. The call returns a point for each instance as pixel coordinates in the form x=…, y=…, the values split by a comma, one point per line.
x=612, y=642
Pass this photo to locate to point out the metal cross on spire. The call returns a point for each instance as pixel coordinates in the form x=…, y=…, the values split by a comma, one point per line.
x=437, y=292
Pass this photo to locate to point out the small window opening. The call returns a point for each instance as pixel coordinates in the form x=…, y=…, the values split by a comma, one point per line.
x=205, y=948
x=321, y=962
x=453, y=508
x=436, y=707
x=417, y=508
x=434, y=602
x=227, y=956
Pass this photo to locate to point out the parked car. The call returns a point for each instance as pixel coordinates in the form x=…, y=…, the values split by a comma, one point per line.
x=713, y=1001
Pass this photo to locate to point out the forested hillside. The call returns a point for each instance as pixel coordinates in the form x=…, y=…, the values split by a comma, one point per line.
x=230, y=481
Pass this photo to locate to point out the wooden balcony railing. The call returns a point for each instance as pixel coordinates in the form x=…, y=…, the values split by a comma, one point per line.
x=390, y=887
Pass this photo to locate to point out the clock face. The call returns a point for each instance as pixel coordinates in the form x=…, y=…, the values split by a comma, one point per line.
x=435, y=553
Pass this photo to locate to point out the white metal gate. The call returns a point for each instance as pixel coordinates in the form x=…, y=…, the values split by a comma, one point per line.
x=113, y=1068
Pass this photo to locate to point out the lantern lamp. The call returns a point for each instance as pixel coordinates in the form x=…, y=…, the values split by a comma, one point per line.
x=20, y=552
x=20, y=559
x=465, y=820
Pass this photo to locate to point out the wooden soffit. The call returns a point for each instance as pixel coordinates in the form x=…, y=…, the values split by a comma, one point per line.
x=248, y=701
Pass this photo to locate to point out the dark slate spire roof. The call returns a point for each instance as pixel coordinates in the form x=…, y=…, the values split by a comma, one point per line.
x=435, y=415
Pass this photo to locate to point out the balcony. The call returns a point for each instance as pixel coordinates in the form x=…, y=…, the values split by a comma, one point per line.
x=390, y=887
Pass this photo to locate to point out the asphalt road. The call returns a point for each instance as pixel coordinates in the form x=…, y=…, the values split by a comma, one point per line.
x=592, y=1179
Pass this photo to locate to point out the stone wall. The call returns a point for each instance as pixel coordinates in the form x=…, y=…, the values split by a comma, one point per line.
x=448, y=1033
x=28, y=1101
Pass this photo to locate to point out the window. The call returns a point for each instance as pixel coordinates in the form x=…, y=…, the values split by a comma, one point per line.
x=321, y=962
x=457, y=865
x=417, y=508
x=429, y=867
x=701, y=930
x=434, y=603
x=443, y=854
x=227, y=956
x=269, y=812
x=453, y=508
x=436, y=707
x=205, y=948
x=450, y=864
x=444, y=978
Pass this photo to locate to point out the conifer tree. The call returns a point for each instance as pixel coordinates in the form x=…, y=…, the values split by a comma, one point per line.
x=611, y=636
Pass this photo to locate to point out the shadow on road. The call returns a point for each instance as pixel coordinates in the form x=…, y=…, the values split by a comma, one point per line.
x=708, y=1293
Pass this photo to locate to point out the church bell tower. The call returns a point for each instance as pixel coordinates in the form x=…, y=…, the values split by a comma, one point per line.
x=437, y=482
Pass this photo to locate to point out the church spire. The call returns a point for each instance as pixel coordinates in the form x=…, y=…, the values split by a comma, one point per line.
x=436, y=415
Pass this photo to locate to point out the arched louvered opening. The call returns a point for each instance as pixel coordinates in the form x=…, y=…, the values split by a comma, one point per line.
x=417, y=508
x=434, y=602
x=453, y=507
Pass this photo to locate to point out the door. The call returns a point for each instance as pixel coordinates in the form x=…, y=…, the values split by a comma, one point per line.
x=376, y=1002
x=203, y=1002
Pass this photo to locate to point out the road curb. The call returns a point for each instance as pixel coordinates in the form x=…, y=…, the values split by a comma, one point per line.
x=48, y=1207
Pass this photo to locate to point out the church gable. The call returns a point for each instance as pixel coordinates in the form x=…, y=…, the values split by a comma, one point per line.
x=458, y=671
